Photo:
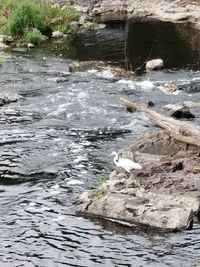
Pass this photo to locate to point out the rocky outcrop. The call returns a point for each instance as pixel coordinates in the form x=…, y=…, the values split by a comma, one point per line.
x=164, y=194
x=170, y=10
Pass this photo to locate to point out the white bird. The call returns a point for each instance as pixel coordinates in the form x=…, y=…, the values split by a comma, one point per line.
x=124, y=163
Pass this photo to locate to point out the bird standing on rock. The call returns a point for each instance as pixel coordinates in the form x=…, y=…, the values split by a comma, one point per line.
x=124, y=163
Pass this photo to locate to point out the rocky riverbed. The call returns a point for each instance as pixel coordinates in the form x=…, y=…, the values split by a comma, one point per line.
x=55, y=142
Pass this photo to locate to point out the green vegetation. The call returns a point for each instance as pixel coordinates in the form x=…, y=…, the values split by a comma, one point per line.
x=34, y=37
x=30, y=19
x=1, y=60
x=26, y=17
x=101, y=180
x=100, y=190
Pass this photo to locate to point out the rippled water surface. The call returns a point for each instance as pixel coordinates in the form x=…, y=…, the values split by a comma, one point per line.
x=55, y=144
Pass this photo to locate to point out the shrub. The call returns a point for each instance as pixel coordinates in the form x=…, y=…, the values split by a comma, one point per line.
x=34, y=37
x=27, y=17
x=56, y=17
x=20, y=18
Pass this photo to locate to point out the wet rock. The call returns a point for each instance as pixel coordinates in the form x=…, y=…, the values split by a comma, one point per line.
x=133, y=206
x=150, y=104
x=181, y=112
x=163, y=194
x=154, y=64
x=169, y=88
x=44, y=38
x=57, y=34
x=30, y=45
x=8, y=97
x=58, y=79
x=20, y=49
x=3, y=46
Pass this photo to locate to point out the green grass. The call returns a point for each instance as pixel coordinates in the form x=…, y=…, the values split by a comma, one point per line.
x=100, y=190
x=34, y=37
x=26, y=18
x=1, y=60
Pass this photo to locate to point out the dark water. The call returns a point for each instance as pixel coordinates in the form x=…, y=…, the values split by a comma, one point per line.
x=54, y=145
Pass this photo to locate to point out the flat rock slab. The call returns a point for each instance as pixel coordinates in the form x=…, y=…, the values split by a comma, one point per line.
x=149, y=211
x=164, y=194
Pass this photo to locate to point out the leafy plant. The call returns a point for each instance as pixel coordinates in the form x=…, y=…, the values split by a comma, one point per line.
x=20, y=18
x=27, y=17
x=34, y=37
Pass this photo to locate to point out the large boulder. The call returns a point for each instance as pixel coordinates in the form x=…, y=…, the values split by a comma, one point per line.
x=165, y=194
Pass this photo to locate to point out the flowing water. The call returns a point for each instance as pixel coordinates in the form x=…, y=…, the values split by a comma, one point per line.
x=55, y=144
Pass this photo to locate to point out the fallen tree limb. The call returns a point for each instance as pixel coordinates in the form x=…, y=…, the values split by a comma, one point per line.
x=179, y=130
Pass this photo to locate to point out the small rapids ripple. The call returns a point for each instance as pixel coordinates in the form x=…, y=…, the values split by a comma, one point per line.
x=55, y=144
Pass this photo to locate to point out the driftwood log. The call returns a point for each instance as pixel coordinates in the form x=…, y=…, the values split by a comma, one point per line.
x=179, y=130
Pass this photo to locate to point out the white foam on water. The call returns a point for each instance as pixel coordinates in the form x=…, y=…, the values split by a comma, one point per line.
x=105, y=74
x=92, y=71
x=145, y=85
x=75, y=182
x=59, y=218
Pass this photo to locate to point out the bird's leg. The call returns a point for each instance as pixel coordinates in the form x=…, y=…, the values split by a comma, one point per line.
x=136, y=180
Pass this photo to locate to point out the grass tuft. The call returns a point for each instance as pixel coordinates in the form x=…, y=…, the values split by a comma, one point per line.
x=34, y=37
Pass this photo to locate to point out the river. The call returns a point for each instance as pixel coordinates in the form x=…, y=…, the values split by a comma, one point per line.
x=55, y=144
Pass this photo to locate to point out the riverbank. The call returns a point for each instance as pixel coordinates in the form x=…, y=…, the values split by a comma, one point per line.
x=165, y=10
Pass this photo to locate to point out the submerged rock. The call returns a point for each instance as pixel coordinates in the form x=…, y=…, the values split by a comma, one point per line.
x=58, y=79
x=163, y=194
